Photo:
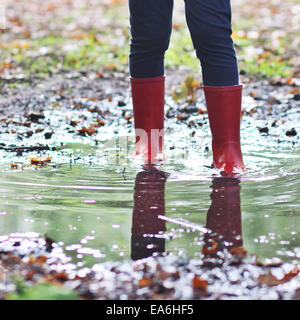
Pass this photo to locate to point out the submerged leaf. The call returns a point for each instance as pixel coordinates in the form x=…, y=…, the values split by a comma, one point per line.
x=270, y=280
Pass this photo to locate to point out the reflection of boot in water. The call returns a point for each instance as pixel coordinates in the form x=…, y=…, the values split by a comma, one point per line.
x=149, y=203
x=223, y=219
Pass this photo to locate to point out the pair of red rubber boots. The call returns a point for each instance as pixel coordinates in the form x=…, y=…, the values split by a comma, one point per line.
x=224, y=112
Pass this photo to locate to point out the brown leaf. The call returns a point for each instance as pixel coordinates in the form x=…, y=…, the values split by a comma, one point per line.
x=144, y=282
x=61, y=276
x=90, y=130
x=198, y=283
x=29, y=133
x=294, y=91
x=100, y=122
x=39, y=260
x=25, y=124
x=73, y=123
x=110, y=66
x=253, y=94
x=270, y=280
x=176, y=26
x=14, y=166
x=39, y=162
x=238, y=251
x=213, y=248
x=29, y=275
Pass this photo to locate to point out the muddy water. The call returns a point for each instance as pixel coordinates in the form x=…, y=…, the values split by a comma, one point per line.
x=101, y=210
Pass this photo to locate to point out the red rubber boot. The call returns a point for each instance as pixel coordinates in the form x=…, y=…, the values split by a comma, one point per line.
x=148, y=97
x=224, y=113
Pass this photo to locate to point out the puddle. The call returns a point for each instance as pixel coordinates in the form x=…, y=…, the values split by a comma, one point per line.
x=108, y=212
x=100, y=205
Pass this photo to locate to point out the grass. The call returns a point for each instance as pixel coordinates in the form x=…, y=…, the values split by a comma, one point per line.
x=86, y=53
x=108, y=50
x=181, y=51
x=41, y=291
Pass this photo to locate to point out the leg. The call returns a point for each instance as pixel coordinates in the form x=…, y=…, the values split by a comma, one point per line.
x=210, y=27
x=151, y=25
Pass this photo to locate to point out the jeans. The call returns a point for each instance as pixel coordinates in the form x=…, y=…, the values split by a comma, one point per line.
x=209, y=23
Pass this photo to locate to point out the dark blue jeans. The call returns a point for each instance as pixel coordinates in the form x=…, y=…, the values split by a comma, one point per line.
x=209, y=22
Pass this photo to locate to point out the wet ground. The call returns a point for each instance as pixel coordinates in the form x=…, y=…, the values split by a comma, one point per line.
x=81, y=218
x=67, y=170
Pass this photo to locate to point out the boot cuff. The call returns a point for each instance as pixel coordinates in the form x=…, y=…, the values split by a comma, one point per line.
x=147, y=80
x=223, y=89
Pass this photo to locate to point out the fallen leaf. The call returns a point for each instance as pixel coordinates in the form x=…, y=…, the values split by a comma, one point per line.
x=238, y=251
x=39, y=162
x=253, y=94
x=198, y=283
x=270, y=280
x=39, y=260
x=90, y=130
x=213, y=248
x=294, y=91
x=144, y=282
